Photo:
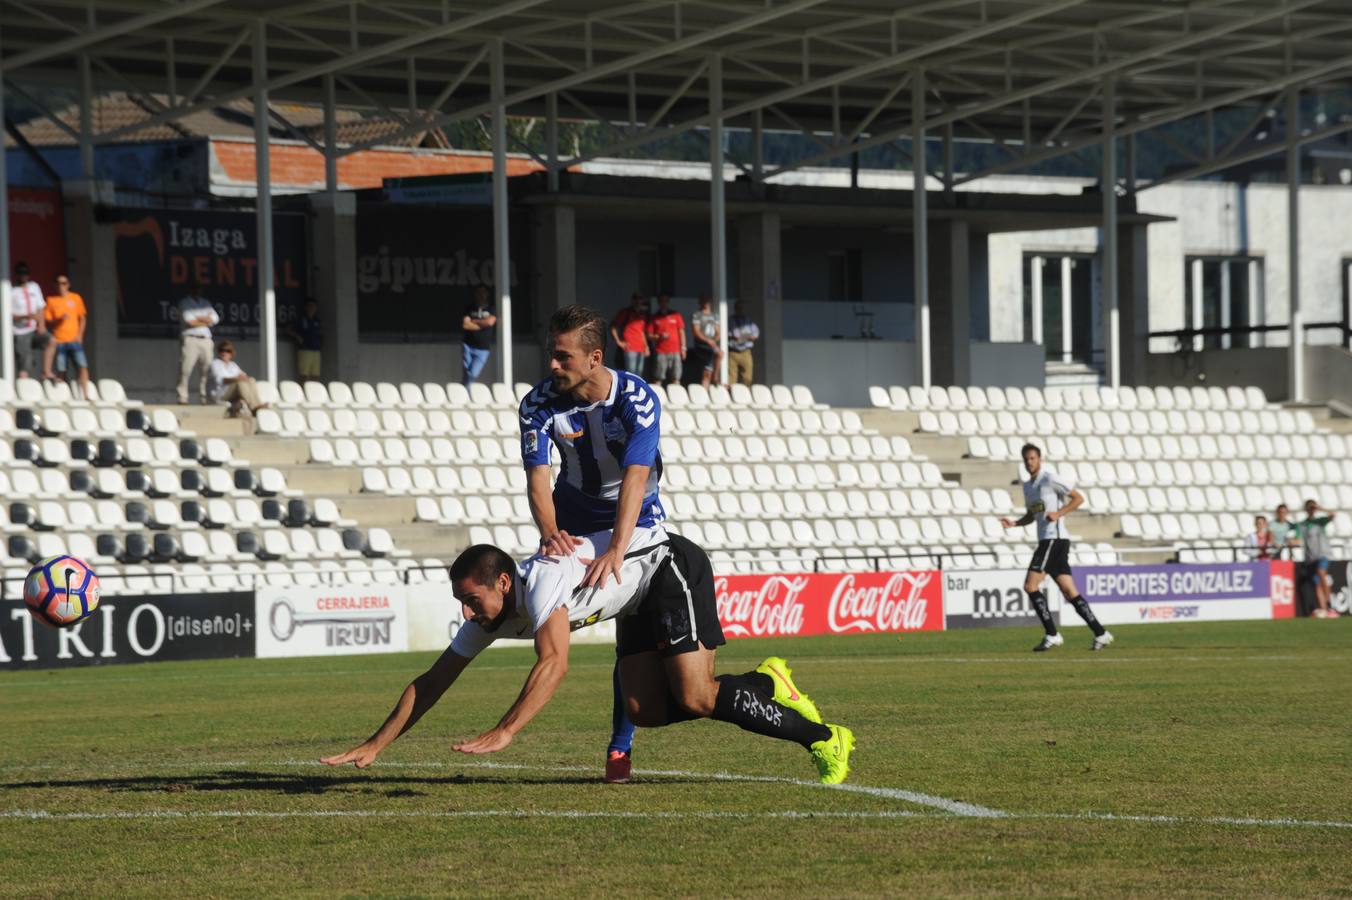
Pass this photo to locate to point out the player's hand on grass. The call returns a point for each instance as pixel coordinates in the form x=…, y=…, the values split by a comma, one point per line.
x=560, y=543
x=601, y=568
x=490, y=741
x=360, y=756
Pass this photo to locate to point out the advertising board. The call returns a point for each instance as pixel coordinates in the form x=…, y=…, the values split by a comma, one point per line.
x=994, y=598
x=127, y=629
x=829, y=603
x=1201, y=592
x=331, y=620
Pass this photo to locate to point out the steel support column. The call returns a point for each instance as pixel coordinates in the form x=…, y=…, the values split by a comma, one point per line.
x=1067, y=312
x=1112, y=344
x=758, y=146
x=552, y=142
x=267, y=293
x=1296, y=338
x=86, y=120
x=1036, y=264
x=330, y=137
x=502, y=260
x=718, y=223
x=920, y=243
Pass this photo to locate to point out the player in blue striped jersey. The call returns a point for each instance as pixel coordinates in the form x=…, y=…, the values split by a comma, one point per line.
x=606, y=426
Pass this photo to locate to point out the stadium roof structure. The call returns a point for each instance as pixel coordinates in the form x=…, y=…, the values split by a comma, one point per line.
x=1038, y=78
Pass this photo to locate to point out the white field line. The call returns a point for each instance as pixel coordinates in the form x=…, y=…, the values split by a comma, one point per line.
x=940, y=807
x=1106, y=658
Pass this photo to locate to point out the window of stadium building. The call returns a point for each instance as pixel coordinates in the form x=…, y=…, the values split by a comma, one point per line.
x=845, y=276
x=1060, y=298
x=1224, y=297
x=657, y=269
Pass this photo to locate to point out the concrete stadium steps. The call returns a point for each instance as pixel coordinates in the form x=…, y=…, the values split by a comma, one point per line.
x=208, y=421
x=428, y=540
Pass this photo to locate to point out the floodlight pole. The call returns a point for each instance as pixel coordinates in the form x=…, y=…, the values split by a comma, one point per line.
x=920, y=214
x=502, y=261
x=267, y=291
x=1296, y=341
x=6, y=298
x=1112, y=355
x=718, y=258
x=1036, y=265
x=552, y=142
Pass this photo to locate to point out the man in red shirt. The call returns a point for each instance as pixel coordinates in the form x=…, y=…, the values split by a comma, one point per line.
x=630, y=331
x=666, y=331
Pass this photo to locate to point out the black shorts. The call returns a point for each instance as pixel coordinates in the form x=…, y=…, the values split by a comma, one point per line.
x=1052, y=557
x=679, y=613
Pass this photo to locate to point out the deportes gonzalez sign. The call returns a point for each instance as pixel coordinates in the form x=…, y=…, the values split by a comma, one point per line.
x=804, y=605
x=132, y=629
x=1173, y=593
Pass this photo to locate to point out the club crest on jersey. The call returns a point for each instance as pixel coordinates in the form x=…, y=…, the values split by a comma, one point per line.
x=532, y=440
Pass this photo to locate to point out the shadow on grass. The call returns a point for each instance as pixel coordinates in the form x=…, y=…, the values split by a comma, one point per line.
x=286, y=783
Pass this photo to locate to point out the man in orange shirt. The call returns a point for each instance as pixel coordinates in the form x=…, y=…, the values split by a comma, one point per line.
x=630, y=331
x=66, y=320
x=666, y=331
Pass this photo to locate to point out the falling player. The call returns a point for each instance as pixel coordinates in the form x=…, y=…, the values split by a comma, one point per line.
x=667, y=630
x=1050, y=499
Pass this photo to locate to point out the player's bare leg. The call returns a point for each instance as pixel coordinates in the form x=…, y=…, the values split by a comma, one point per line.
x=1102, y=637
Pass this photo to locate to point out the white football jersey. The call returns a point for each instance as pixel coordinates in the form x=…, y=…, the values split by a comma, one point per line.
x=545, y=583
x=1047, y=493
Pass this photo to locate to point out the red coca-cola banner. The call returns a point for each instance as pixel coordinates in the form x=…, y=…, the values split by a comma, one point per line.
x=854, y=603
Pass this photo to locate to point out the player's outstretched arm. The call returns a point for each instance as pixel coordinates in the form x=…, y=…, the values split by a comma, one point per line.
x=551, y=664
x=607, y=565
x=420, y=696
x=1021, y=521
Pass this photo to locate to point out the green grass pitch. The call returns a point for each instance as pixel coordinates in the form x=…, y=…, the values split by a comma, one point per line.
x=1187, y=759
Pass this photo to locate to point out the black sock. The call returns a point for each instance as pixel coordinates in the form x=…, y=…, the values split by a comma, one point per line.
x=754, y=711
x=1039, y=601
x=1086, y=613
x=757, y=681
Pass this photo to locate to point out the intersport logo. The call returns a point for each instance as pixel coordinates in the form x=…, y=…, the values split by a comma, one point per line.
x=895, y=606
x=800, y=605
x=769, y=609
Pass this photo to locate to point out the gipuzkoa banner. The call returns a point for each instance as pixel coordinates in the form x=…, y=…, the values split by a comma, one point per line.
x=331, y=620
x=853, y=603
x=1176, y=593
x=128, y=629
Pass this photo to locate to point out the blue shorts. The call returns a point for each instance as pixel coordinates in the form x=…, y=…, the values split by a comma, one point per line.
x=73, y=351
x=1319, y=567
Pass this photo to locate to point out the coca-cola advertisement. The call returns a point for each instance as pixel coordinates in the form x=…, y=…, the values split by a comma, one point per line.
x=802, y=605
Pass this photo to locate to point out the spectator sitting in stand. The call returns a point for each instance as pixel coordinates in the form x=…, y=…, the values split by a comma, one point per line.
x=66, y=320
x=1259, y=542
x=309, y=338
x=227, y=381
x=630, y=332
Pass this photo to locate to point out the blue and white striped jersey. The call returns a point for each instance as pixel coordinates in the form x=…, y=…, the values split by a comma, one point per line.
x=596, y=442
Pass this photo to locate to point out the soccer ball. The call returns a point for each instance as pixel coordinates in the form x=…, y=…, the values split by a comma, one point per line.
x=61, y=591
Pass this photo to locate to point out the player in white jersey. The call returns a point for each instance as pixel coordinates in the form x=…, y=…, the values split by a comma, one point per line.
x=1049, y=499
x=667, y=632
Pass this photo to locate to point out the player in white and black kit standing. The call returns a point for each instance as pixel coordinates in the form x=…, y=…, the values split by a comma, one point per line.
x=1050, y=498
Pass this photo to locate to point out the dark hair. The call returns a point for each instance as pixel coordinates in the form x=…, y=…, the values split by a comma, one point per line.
x=587, y=322
x=482, y=563
x=226, y=345
x=1283, y=506
x=21, y=268
x=1026, y=447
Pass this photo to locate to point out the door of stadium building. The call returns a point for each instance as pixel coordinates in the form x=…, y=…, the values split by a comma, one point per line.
x=1058, y=304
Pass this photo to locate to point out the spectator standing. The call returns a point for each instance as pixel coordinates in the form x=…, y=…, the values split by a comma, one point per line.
x=226, y=381
x=1259, y=543
x=1314, y=534
x=742, y=336
x=707, y=353
x=476, y=333
x=309, y=337
x=197, y=316
x=1285, y=534
x=666, y=331
x=30, y=326
x=630, y=332
x=66, y=320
